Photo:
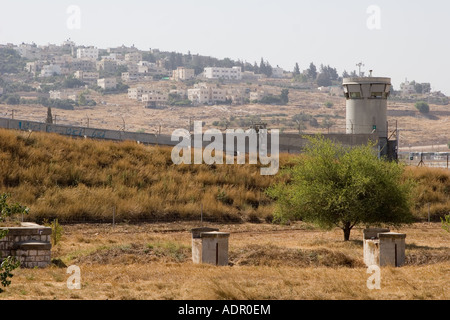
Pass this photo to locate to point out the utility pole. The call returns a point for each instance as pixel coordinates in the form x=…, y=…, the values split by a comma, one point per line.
x=359, y=65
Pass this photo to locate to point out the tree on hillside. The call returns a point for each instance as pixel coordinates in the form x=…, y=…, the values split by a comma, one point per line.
x=423, y=107
x=334, y=186
x=284, y=96
x=296, y=69
x=312, y=71
x=49, y=119
x=323, y=80
x=328, y=123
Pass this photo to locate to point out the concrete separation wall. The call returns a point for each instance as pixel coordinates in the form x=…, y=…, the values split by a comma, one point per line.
x=289, y=143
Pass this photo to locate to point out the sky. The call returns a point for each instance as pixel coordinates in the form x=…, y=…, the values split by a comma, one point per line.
x=398, y=39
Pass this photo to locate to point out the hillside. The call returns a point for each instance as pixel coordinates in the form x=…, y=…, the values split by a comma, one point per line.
x=116, y=111
x=84, y=180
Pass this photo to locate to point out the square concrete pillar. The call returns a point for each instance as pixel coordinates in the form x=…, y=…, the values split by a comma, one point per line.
x=197, y=243
x=372, y=246
x=215, y=248
x=384, y=248
x=392, y=249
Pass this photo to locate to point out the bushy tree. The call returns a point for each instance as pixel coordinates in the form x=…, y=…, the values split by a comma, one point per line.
x=296, y=69
x=49, y=116
x=423, y=107
x=312, y=71
x=334, y=186
x=284, y=96
x=323, y=80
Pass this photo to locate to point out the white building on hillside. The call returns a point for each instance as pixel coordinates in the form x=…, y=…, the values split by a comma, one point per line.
x=183, y=74
x=87, y=53
x=234, y=73
x=407, y=88
x=204, y=93
x=50, y=70
x=107, y=83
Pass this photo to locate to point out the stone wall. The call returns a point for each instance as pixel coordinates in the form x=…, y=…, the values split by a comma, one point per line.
x=30, y=244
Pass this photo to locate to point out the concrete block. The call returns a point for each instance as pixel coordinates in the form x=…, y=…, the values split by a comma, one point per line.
x=210, y=246
x=215, y=248
x=372, y=233
x=392, y=249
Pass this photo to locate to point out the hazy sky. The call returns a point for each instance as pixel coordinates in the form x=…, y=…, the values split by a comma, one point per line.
x=412, y=41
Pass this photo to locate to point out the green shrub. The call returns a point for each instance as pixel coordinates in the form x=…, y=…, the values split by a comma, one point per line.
x=423, y=107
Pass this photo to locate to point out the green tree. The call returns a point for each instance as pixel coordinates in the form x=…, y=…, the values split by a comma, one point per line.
x=423, y=107
x=296, y=69
x=328, y=123
x=312, y=71
x=49, y=116
x=334, y=186
x=284, y=96
x=323, y=80
x=446, y=223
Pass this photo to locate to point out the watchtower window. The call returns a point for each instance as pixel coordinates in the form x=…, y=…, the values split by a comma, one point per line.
x=377, y=95
x=355, y=95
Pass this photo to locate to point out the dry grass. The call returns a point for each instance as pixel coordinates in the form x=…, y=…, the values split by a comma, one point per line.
x=153, y=261
x=82, y=180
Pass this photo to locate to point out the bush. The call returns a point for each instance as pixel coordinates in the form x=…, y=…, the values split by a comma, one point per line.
x=446, y=223
x=8, y=264
x=423, y=107
x=56, y=231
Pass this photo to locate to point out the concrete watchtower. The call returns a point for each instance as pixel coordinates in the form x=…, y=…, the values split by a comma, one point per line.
x=367, y=105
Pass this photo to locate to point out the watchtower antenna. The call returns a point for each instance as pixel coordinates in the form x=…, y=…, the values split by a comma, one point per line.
x=359, y=65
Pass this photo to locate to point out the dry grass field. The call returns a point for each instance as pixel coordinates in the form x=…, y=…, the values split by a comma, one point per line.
x=269, y=262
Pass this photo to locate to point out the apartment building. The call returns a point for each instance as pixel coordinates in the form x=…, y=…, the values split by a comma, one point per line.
x=50, y=70
x=134, y=57
x=183, y=74
x=277, y=72
x=258, y=95
x=82, y=65
x=87, y=77
x=155, y=98
x=64, y=94
x=204, y=93
x=106, y=65
x=29, y=51
x=130, y=76
x=237, y=96
x=136, y=93
x=87, y=53
x=407, y=88
x=34, y=67
x=234, y=73
x=107, y=83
